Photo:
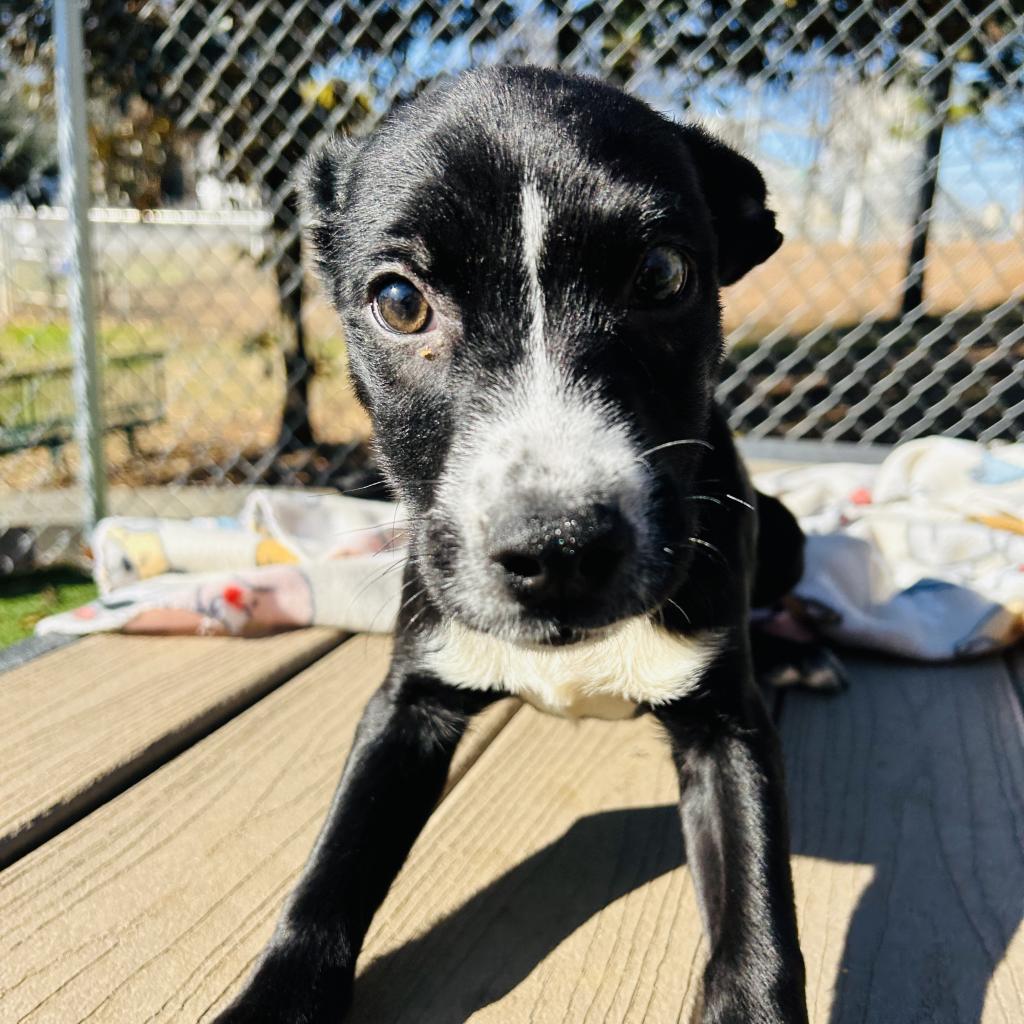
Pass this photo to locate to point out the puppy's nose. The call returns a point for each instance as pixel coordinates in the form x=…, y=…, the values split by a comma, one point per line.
x=557, y=559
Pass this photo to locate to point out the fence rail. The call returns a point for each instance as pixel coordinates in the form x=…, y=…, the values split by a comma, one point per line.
x=37, y=407
x=891, y=133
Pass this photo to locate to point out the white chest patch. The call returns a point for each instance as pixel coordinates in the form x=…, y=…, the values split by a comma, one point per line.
x=635, y=662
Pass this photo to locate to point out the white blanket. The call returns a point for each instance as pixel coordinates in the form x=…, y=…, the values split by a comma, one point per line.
x=922, y=556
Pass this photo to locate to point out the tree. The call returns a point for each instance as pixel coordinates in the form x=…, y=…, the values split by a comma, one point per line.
x=28, y=144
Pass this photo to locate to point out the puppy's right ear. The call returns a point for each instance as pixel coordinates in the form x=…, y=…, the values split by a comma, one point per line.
x=322, y=184
x=324, y=176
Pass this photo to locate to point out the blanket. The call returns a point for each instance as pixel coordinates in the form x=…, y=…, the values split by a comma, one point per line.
x=921, y=556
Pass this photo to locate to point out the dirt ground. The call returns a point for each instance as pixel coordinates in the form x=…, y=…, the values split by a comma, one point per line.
x=807, y=285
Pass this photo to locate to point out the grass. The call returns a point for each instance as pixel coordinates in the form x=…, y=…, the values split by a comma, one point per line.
x=32, y=345
x=28, y=345
x=43, y=404
x=28, y=599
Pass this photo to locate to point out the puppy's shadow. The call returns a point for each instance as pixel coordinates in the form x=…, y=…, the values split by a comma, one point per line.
x=912, y=793
x=484, y=948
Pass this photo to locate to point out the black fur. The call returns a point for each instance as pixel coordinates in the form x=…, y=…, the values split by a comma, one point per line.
x=437, y=196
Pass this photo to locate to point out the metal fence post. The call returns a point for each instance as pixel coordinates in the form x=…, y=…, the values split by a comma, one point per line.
x=6, y=268
x=72, y=145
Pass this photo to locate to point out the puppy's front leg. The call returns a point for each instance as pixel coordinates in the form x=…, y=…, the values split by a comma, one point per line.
x=737, y=846
x=394, y=776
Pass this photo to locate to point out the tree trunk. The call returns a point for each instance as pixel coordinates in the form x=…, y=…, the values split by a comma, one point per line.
x=913, y=285
x=296, y=429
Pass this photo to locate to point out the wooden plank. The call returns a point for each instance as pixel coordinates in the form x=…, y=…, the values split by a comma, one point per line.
x=1015, y=666
x=907, y=808
x=147, y=909
x=546, y=886
x=24, y=651
x=83, y=722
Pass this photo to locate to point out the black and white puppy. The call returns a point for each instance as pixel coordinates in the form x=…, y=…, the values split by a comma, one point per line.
x=527, y=266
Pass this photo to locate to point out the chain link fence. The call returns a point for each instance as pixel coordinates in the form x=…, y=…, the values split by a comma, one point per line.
x=891, y=135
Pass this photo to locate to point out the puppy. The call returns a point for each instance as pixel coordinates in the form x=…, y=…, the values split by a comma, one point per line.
x=527, y=266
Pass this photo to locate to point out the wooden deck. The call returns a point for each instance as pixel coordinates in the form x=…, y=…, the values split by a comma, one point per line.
x=158, y=797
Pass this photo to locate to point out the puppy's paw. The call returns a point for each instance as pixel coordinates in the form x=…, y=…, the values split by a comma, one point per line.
x=817, y=669
x=287, y=988
x=779, y=662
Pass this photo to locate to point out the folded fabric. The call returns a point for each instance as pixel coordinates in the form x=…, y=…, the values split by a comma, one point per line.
x=921, y=556
x=288, y=560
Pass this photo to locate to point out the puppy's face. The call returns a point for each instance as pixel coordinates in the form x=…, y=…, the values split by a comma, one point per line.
x=527, y=267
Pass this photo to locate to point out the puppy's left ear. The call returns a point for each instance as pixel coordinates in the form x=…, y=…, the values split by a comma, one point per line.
x=736, y=194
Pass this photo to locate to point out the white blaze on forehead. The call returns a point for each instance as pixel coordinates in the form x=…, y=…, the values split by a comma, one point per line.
x=534, y=223
x=542, y=433
x=573, y=441
x=537, y=441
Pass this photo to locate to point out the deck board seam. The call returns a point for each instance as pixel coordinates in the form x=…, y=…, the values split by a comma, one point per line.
x=480, y=744
x=62, y=816
x=1013, y=659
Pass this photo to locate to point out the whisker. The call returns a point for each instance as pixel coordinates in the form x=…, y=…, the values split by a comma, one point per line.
x=403, y=605
x=675, y=444
x=397, y=524
x=399, y=535
x=365, y=487
x=375, y=578
x=389, y=548
x=419, y=593
x=711, y=547
x=380, y=611
x=384, y=483
x=412, y=621
x=740, y=501
x=681, y=610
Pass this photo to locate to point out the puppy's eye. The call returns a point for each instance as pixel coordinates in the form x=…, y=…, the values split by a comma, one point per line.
x=662, y=275
x=399, y=306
